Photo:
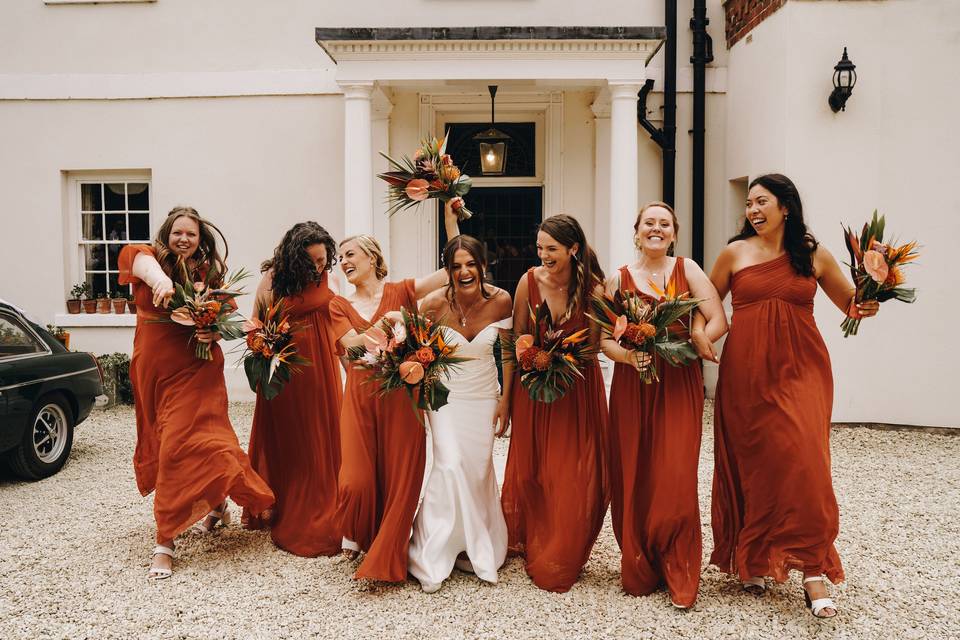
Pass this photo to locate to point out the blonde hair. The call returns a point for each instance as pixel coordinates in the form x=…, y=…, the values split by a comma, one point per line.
x=676, y=223
x=370, y=246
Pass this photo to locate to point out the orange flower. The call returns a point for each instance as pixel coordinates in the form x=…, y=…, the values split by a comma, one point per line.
x=425, y=355
x=542, y=360
x=417, y=189
x=527, y=358
x=647, y=330
x=875, y=265
x=411, y=372
x=375, y=339
x=450, y=173
x=523, y=343
x=894, y=278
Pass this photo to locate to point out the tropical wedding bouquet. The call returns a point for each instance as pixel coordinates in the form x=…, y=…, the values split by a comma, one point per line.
x=549, y=359
x=876, y=268
x=270, y=356
x=409, y=354
x=645, y=327
x=431, y=174
x=200, y=305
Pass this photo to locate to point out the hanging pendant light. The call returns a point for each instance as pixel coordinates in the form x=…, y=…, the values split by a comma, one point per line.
x=492, y=143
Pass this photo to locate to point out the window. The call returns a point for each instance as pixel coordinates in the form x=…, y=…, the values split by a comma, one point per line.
x=112, y=215
x=15, y=340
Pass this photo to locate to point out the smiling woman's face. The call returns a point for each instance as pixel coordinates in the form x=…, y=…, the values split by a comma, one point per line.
x=354, y=262
x=764, y=211
x=184, y=237
x=655, y=231
x=554, y=255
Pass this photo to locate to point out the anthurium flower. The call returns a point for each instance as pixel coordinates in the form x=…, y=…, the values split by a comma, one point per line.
x=182, y=316
x=252, y=324
x=875, y=265
x=411, y=372
x=375, y=339
x=416, y=189
x=523, y=343
x=619, y=327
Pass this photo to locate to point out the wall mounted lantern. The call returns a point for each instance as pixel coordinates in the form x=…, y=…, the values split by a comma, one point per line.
x=493, y=144
x=844, y=77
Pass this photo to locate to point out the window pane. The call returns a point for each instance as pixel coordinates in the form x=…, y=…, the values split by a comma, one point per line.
x=92, y=226
x=115, y=285
x=15, y=340
x=91, y=198
x=94, y=257
x=139, y=226
x=138, y=196
x=116, y=226
x=113, y=195
x=113, y=253
x=97, y=282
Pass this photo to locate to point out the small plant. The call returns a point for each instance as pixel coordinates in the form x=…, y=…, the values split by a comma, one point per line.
x=116, y=377
x=61, y=334
x=80, y=290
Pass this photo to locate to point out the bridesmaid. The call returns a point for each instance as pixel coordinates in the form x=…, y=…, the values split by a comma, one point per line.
x=187, y=451
x=774, y=508
x=655, y=428
x=555, y=491
x=295, y=439
x=461, y=511
x=383, y=445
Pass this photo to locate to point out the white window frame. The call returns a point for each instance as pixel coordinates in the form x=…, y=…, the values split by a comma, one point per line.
x=96, y=1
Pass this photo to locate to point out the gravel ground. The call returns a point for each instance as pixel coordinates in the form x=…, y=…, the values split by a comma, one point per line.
x=74, y=553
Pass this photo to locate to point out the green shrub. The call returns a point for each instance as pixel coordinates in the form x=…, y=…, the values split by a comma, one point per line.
x=116, y=377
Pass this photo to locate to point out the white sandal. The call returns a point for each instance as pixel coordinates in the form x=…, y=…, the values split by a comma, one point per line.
x=755, y=585
x=221, y=516
x=159, y=573
x=818, y=605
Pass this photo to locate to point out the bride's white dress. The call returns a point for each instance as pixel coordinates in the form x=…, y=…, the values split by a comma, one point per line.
x=461, y=504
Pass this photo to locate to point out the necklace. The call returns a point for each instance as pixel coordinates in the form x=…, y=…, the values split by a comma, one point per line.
x=463, y=314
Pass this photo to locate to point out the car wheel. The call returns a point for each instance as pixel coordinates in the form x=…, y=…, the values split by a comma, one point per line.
x=47, y=440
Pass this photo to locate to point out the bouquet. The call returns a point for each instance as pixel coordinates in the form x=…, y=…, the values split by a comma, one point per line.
x=636, y=324
x=549, y=361
x=409, y=354
x=876, y=268
x=200, y=305
x=270, y=356
x=431, y=174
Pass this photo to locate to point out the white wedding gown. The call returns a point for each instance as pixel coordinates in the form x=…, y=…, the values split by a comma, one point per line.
x=461, y=504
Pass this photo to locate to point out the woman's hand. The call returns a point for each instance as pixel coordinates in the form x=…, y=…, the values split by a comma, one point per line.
x=866, y=309
x=703, y=346
x=162, y=292
x=639, y=360
x=452, y=207
x=207, y=336
x=501, y=419
x=393, y=316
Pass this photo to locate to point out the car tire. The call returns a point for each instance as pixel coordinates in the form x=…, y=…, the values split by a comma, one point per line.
x=46, y=441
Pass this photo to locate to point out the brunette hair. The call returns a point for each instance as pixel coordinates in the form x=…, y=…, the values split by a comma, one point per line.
x=208, y=259
x=676, y=223
x=293, y=269
x=370, y=246
x=587, y=272
x=798, y=242
x=476, y=250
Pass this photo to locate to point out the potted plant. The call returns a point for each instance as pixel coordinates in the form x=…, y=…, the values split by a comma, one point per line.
x=131, y=304
x=61, y=334
x=76, y=293
x=119, y=301
x=103, y=303
x=89, y=302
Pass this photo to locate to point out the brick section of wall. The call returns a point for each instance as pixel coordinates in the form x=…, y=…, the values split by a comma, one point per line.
x=743, y=15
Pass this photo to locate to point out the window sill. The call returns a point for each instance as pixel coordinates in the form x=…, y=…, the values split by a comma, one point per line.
x=69, y=320
x=95, y=1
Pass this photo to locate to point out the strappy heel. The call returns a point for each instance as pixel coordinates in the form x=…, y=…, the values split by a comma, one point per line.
x=159, y=573
x=220, y=515
x=818, y=605
x=755, y=585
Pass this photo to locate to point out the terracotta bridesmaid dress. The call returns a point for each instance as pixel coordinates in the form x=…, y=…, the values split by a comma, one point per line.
x=555, y=491
x=655, y=434
x=773, y=504
x=295, y=439
x=383, y=447
x=187, y=451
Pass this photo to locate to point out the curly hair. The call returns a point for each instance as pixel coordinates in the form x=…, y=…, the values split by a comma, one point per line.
x=798, y=242
x=586, y=271
x=293, y=268
x=208, y=259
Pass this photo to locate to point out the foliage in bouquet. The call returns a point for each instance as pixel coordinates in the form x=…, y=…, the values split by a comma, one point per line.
x=548, y=359
x=270, y=356
x=645, y=327
x=430, y=174
x=876, y=268
x=208, y=304
x=409, y=354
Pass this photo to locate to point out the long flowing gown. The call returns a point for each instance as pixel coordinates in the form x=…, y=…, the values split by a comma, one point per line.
x=773, y=503
x=461, y=504
x=655, y=434
x=555, y=490
x=187, y=451
x=295, y=438
x=383, y=453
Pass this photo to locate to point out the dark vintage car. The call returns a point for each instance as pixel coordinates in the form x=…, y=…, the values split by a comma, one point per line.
x=45, y=391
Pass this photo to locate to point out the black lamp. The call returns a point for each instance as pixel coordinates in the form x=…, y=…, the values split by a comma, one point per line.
x=844, y=77
x=493, y=144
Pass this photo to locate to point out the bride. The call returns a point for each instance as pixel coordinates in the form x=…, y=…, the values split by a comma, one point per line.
x=460, y=522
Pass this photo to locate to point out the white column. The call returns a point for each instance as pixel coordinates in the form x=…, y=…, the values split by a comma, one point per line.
x=380, y=140
x=357, y=161
x=624, y=167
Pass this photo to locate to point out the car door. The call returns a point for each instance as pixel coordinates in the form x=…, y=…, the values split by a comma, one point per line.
x=22, y=355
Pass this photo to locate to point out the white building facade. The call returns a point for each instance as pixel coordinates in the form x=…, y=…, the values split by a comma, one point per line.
x=261, y=115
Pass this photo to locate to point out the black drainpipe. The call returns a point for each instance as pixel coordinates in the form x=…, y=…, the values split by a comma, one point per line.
x=666, y=137
x=702, y=54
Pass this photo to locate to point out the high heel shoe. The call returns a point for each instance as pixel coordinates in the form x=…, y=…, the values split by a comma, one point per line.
x=220, y=515
x=818, y=605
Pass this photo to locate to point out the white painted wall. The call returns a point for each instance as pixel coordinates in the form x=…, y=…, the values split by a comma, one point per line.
x=895, y=148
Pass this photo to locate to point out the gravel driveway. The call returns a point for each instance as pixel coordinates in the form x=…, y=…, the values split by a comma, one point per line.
x=74, y=553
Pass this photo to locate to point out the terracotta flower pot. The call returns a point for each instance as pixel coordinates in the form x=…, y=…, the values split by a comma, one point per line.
x=90, y=306
x=73, y=306
x=64, y=339
x=103, y=305
x=119, y=305
x=131, y=306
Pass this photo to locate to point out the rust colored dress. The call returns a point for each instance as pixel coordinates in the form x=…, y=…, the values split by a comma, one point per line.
x=187, y=451
x=383, y=448
x=555, y=491
x=773, y=504
x=295, y=439
x=655, y=434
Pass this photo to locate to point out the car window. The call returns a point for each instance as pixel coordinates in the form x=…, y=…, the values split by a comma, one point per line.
x=15, y=340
